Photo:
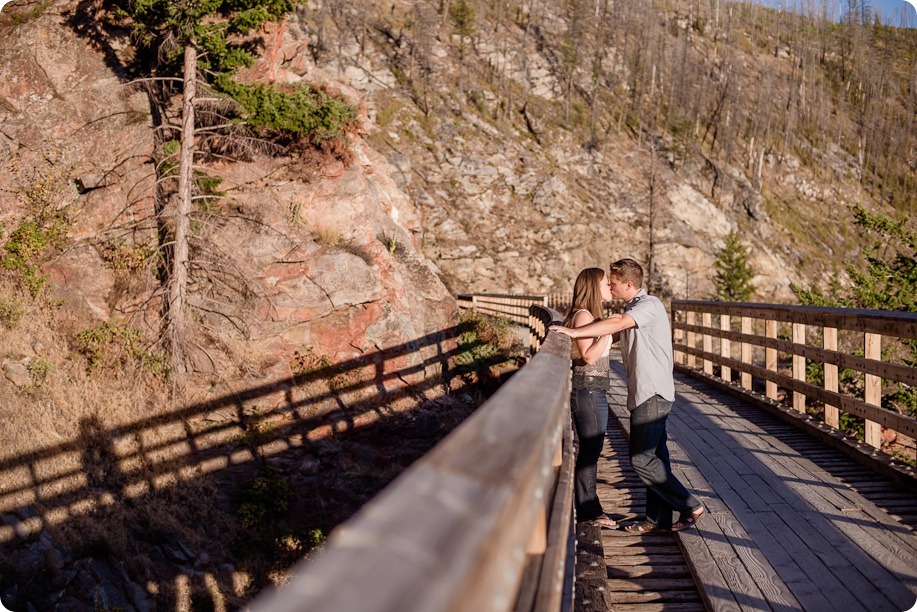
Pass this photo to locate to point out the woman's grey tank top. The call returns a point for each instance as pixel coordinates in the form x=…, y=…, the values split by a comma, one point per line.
x=589, y=376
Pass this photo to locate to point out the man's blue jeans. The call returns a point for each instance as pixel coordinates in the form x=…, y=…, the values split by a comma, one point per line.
x=649, y=455
x=590, y=419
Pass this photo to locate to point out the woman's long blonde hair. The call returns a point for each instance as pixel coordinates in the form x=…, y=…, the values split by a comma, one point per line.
x=587, y=294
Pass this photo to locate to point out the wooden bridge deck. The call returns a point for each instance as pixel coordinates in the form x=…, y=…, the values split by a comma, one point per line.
x=792, y=524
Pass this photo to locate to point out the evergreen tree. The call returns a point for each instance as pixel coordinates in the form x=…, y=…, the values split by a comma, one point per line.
x=201, y=44
x=887, y=280
x=463, y=16
x=205, y=35
x=733, y=272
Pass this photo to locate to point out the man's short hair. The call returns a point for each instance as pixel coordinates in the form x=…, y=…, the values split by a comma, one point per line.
x=627, y=270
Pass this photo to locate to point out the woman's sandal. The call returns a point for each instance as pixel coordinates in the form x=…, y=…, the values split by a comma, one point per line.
x=687, y=520
x=604, y=521
x=644, y=527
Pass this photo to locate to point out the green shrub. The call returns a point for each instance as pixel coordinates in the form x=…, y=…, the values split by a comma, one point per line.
x=257, y=431
x=31, y=15
x=267, y=498
x=481, y=341
x=302, y=111
x=302, y=364
x=25, y=248
x=117, y=255
x=39, y=369
x=114, y=345
x=10, y=313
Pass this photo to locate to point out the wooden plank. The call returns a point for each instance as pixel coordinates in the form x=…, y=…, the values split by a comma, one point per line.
x=873, y=389
x=890, y=371
x=667, y=596
x=660, y=607
x=656, y=571
x=646, y=547
x=759, y=567
x=725, y=347
x=630, y=560
x=902, y=475
x=746, y=353
x=797, y=471
x=690, y=339
x=871, y=584
x=786, y=465
x=658, y=555
x=792, y=468
x=885, y=540
x=832, y=417
x=889, y=323
x=716, y=566
x=650, y=584
x=886, y=418
x=770, y=359
x=799, y=366
x=712, y=580
x=707, y=320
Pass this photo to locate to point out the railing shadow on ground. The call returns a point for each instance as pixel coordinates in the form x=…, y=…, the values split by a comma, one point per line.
x=104, y=468
x=825, y=531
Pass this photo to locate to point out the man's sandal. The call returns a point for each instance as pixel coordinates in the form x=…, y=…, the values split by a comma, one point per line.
x=604, y=521
x=687, y=520
x=644, y=527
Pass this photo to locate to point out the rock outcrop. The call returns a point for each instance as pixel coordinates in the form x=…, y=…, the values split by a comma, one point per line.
x=283, y=263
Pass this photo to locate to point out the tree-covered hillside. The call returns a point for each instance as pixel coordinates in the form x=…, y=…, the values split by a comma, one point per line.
x=638, y=117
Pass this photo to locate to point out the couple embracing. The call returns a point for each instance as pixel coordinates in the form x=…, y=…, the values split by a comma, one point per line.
x=646, y=350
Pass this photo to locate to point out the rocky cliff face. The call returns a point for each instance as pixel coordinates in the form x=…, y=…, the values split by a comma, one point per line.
x=516, y=197
x=284, y=261
x=318, y=328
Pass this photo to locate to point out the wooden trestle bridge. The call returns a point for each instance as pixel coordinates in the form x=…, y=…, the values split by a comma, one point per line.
x=801, y=517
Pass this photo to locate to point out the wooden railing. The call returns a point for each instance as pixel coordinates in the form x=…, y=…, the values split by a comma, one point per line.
x=741, y=344
x=769, y=347
x=518, y=309
x=482, y=522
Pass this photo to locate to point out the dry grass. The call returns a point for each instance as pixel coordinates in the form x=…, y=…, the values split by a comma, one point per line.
x=111, y=467
x=69, y=455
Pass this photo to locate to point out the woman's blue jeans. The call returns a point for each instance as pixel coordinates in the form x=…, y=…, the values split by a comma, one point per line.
x=649, y=455
x=590, y=419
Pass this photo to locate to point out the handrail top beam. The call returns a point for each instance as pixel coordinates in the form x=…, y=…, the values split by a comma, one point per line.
x=889, y=322
x=502, y=295
x=459, y=517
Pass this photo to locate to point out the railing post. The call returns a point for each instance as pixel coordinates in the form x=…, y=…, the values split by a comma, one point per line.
x=689, y=319
x=678, y=336
x=873, y=393
x=832, y=417
x=746, y=353
x=725, y=348
x=707, y=319
x=770, y=358
x=538, y=542
x=799, y=366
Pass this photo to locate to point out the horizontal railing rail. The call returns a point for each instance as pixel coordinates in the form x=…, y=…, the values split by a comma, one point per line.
x=482, y=522
x=744, y=342
x=516, y=308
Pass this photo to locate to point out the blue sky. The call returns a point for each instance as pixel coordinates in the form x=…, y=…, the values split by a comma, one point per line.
x=891, y=10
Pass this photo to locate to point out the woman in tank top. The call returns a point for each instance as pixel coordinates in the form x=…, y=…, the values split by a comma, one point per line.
x=588, y=403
